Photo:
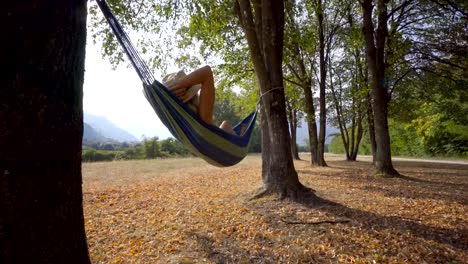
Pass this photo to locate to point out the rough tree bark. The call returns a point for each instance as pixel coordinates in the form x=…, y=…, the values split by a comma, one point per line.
x=375, y=49
x=369, y=111
x=370, y=123
x=41, y=126
x=263, y=25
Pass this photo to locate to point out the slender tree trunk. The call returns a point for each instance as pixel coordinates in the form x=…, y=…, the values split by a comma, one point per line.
x=341, y=123
x=306, y=85
x=264, y=32
x=311, y=123
x=375, y=58
x=294, y=150
x=362, y=87
x=353, y=120
x=360, y=132
x=323, y=76
x=41, y=126
x=292, y=116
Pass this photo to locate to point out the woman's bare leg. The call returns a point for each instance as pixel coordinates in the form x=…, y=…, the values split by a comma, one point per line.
x=203, y=76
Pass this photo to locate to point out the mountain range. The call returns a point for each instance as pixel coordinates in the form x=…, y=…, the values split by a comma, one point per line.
x=99, y=129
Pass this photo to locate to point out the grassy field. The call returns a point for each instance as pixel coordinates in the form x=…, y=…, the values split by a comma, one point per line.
x=185, y=211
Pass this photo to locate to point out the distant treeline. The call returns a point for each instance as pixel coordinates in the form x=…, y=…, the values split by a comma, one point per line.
x=408, y=140
x=150, y=148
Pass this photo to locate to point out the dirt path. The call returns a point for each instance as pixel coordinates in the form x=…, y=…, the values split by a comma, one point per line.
x=369, y=158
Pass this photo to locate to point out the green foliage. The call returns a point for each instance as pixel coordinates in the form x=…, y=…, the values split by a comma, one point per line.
x=172, y=147
x=224, y=109
x=404, y=140
x=438, y=102
x=442, y=137
x=336, y=145
x=151, y=147
x=134, y=152
x=425, y=136
x=91, y=154
x=256, y=139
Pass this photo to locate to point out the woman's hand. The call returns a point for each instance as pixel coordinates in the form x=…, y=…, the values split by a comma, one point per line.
x=178, y=90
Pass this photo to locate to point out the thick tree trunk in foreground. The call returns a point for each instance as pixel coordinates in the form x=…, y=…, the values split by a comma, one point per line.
x=41, y=124
x=264, y=32
x=376, y=64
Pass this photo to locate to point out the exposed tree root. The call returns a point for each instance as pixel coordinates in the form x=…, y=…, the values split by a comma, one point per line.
x=286, y=192
x=261, y=194
x=386, y=173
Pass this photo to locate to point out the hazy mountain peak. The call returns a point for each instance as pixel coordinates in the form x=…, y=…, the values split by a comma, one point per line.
x=107, y=129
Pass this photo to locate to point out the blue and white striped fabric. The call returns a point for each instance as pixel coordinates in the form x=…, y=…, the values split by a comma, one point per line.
x=209, y=142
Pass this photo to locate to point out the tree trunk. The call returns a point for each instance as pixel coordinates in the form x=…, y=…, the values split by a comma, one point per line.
x=41, y=126
x=295, y=150
x=363, y=87
x=375, y=59
x=311, y=124
x=370, y=123
x=292, y=116
x=323, y=76
x=360, y=131
x=264, y=32
x=338, y=109
x=306, y=85
x=370, y=112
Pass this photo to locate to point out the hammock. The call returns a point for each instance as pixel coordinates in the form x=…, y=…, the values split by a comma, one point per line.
x=209, y=142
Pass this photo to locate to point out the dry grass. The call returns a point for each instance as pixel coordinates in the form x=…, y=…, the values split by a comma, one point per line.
x=185, y=211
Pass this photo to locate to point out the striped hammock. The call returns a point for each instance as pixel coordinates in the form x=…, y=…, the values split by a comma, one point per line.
x=209, y=142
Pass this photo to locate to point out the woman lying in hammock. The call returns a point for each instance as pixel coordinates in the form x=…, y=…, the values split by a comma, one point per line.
x=186, y=87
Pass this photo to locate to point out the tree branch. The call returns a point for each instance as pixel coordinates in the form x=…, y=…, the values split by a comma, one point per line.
x=293, y=82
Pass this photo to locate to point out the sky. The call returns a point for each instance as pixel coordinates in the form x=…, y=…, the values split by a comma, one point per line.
x=117, y=95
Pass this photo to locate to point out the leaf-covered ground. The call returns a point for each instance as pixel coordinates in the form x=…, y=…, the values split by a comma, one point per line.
x=185, y=211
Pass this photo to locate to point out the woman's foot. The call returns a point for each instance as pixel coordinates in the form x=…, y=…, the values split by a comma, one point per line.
x=226, y=126
x=242, y=129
